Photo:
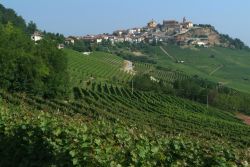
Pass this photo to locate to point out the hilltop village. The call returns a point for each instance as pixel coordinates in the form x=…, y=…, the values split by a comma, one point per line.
x=183, y=33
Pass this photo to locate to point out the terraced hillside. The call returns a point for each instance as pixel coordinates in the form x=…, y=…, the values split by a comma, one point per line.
x=98, y=66
x=108, y=68
x=227, y=66
x=166, y=75
x=106, y=118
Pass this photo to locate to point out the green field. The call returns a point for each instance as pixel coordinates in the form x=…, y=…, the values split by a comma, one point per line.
x=63, y=135
x=227, y=66
x=108, y=68
x=98, y=66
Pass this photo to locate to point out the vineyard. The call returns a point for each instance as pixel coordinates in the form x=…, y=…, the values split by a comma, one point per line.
x=107, y=68
x=96, y=66
x=118, y=126
x=107, y=123
x=164, y=75
x=163, y=114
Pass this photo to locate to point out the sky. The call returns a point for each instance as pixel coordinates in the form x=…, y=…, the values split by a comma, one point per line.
x=82, y=17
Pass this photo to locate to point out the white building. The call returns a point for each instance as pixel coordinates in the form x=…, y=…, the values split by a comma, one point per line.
x=98, y=40
x=60, y=46
x=86, y=53
x=201, y=43
x=37, y=36
x=128, y=39
x=134, y=31
x=69, y=41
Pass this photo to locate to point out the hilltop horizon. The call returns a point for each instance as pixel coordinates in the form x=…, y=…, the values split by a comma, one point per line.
x=82, y=18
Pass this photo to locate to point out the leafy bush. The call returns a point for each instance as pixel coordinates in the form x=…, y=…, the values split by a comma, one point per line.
x=45, y=139
x=26, y=67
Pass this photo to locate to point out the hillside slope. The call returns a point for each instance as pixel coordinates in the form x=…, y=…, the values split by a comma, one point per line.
x=229, y=67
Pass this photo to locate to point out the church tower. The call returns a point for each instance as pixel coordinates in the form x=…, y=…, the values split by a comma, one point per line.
x=184, y=19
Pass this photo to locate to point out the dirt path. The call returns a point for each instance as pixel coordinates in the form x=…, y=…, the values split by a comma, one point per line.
x=215, y=70
x=171, y=57
x=128, y=66
x=244, y=118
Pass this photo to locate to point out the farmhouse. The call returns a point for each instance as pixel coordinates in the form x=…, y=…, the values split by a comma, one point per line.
x=37, y=36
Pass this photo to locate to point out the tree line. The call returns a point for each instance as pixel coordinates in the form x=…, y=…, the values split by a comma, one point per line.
x=37, y=68
x=199, y=90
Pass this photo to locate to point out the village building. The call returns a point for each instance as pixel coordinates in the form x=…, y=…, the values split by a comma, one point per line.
x=113, y=39
x=127, y=38
x=120, y=39
x=187, y=24
x=69, y=40
x=37, y=36
x=134, y=31
x=98, y=40
x=89, y=38
x=169, y=30
x=171, y=27
x=152, y=24
x=120, y=32
x=105, y=37
x=201, y=43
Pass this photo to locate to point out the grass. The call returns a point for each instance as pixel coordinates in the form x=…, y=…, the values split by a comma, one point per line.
x=98, y=66
x=235, y=72
x=105, y=67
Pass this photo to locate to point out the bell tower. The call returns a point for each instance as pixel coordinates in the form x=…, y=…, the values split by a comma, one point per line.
x=184, y=19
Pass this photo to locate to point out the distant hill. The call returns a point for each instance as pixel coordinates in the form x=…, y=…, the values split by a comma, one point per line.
x=212, y=37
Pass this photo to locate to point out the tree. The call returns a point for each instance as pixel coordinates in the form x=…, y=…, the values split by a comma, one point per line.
x=26, y=67
x=9, y=15
x=31, y=28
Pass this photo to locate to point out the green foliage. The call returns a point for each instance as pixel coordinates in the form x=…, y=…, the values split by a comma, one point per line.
x=143, y=82
x=81, y=46
x=56, y=37
x=57, y=82
x=10, y=16
x=26, y=67
x=143, y=59
x=98, y=66
x=31, y=27
x=233, y=43
x=32, y=138
x=216, y=95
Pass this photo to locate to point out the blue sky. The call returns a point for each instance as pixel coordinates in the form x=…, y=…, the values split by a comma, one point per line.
x=81, y=17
